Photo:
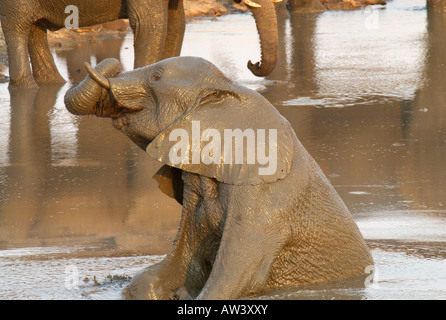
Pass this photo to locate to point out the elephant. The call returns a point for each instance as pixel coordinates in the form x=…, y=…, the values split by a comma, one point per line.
x=306, y=6
x=436, y=5
x=158, y=25
x=246, y=227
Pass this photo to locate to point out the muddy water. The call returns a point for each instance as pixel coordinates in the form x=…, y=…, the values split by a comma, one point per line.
x=365, y=93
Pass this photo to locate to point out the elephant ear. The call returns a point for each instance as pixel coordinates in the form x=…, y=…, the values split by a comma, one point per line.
x=208, y=139
x=170, y=182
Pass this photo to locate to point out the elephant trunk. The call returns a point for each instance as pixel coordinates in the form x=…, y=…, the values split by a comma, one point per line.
x=91, y=95
x=266, y=21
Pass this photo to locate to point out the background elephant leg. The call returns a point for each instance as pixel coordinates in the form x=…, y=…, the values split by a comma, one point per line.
x=175, y=29
x=306, y=6
x=247, y=251
x=18, y=56
x=436, y=5
x=44, y=67
x=148, y=20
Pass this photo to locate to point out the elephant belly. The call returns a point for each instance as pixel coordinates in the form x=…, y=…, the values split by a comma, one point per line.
x=90, y=12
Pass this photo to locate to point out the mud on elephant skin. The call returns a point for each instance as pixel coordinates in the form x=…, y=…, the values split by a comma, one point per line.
x=436, y=5
x=242, y=231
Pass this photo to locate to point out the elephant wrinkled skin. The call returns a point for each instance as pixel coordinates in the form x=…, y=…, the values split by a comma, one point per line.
x=436, y=5
x=240, y=233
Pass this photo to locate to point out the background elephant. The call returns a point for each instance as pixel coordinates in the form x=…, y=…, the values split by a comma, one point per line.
x=241, y=232
x=158, y=25
x=306, y=6
x=436, y=5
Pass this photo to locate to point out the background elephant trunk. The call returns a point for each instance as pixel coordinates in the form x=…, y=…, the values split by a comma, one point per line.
x=266, y=20
x=89, y=97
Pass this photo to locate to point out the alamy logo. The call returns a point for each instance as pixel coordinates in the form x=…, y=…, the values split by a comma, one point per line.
x=72, y=21
x=371, y=21
x=72, y=278
x=229, y=149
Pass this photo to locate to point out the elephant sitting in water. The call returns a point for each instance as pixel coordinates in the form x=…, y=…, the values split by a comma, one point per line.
x=250, y=224
x=158, y=25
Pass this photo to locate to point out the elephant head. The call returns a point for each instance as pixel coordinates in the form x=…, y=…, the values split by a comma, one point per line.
x=148, y=104
x=89, y=96
x=265, y=16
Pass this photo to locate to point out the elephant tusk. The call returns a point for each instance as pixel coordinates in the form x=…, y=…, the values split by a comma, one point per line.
x=251, y=3
x=99, y=78
x=277, y=0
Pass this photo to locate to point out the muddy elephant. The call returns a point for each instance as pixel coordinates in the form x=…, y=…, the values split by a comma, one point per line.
x=305, y=6
x=436, y=5
x=158, y=26
x=250, y=222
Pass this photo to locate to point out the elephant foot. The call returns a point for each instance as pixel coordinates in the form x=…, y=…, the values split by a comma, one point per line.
x=180, y=293
x=156, y=282
x=126, y=294
x=53, y=79
x=26, y=83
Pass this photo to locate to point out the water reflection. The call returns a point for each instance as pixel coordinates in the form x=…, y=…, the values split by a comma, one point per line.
x=67, y=180
x=424, y=127
x=355, y=99
x=92, y=52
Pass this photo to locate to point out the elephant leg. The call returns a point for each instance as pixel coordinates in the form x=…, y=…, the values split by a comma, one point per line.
x=180, y=293
x=18, y=55
x=436, y=5
x=44, y=67
x=184, y=271
x=164, y=280
x=175, y=29
x=148, y=20
x=306, y=6
x=157, y=282
x=248, y=248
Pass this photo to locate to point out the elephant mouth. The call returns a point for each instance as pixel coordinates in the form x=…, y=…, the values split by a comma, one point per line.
x=120, y=111
x=119, y=115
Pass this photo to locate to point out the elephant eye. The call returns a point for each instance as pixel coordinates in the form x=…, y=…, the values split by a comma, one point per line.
x=156, y=76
